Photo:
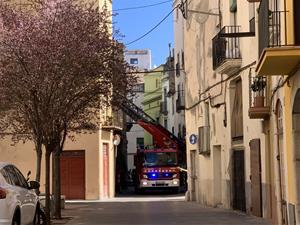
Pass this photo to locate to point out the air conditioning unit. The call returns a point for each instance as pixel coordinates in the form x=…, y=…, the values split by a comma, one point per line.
x=204, y=140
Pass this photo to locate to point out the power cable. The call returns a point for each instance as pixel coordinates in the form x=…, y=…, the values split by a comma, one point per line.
x=157, y=25
x=141, y=7
x=153, y=71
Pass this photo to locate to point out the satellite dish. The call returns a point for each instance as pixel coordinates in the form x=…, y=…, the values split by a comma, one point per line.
x=117, y=140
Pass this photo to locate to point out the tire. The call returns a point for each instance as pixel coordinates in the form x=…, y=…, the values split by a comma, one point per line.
x=37, y=219
x=16, y=219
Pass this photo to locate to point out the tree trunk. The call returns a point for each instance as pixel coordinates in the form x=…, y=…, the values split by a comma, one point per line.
x=39, y=154
x=47, y=208
x=56, y=183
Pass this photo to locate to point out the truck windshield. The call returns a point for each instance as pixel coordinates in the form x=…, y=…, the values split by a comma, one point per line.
x=160, y=159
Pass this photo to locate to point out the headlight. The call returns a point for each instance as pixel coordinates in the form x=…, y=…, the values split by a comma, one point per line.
x=145, y=176
x=175, y=175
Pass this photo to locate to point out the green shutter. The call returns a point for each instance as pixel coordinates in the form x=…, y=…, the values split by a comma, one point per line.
x=233, y=6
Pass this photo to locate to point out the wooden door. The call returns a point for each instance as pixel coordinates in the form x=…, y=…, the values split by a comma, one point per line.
x=239, y=197
x=193, y=175
x=105, y=170
x=255, y=166
x=73, y=174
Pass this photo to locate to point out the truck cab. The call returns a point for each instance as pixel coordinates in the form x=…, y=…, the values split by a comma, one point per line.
x=157, y=168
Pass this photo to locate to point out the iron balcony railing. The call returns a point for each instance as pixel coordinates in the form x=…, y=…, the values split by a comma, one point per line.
x=271, y=27
x=225, y=48
x=180, y=102
x=258, y=97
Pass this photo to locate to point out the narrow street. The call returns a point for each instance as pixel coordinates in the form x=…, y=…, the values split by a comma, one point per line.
x=144, y=211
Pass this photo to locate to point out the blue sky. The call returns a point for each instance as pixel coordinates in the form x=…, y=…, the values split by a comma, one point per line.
x=135, y=23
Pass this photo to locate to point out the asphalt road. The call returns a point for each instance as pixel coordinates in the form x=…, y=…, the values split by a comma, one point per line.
x=157, y=212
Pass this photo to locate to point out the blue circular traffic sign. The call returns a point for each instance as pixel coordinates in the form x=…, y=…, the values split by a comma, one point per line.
x=193, y=139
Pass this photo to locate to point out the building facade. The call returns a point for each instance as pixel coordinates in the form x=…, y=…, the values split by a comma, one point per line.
x=141, y=60
x=179, y=65
x=279, y=57
x=153, y=98
x=88, y=162
x=242, y=92
x=225, y=148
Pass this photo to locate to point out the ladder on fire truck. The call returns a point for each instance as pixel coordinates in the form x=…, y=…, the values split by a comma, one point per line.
x=163, y=138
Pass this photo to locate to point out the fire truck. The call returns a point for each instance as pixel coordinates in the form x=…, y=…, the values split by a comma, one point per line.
x=160, y=165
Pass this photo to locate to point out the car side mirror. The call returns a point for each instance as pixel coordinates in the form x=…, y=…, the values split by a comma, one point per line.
x=33, y=185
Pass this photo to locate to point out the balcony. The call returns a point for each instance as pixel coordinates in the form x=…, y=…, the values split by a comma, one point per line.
x=180, y=104
x=163, y=108
x=277, y=55
x=258, y=99
x=226, y=51
x=115, y=121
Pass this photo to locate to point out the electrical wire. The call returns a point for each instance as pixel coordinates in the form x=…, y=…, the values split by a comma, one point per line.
x=141, y=7
x=156, y=71
x=157, y=25
x=216, y=84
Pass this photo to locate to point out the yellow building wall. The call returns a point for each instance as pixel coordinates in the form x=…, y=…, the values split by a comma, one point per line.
x=288, y=105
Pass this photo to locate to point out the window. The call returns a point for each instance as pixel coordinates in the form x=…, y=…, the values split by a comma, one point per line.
x=14, y=180
x=237, y=112
x=166, y=123
x=233, y=6
x=182, y=59
x=134, y=61
x=21, y=178
x=173, y=106
x=6, y=176
x=179, y=131
x=140, y=142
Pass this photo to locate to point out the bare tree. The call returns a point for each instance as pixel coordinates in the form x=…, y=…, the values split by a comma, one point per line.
x=58, y=67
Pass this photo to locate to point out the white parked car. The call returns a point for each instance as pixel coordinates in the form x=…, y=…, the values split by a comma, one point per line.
x=19, y=204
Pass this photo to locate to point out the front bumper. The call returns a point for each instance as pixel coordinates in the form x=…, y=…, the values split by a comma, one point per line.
x=159, y=183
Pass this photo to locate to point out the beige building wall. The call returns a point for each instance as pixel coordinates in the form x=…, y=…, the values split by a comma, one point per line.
x=24, y=157
x=215, y=169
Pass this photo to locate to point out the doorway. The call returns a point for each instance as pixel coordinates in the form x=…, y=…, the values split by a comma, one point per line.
x=105, y=170
x=255, y=169
x=73, y=174
x=239, y=196
x=193, y=175
x=217, y=170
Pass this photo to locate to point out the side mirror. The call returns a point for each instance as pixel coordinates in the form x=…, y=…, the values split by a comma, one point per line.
x=33, y=185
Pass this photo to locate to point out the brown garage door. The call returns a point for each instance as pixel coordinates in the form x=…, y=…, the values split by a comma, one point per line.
x=73, y=174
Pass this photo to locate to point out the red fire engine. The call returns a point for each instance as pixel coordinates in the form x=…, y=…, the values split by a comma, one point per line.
x=157, y=166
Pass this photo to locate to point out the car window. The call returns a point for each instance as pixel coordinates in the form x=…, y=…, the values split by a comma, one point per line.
x=6, y=176
x=12, y=175
x=22, y=181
